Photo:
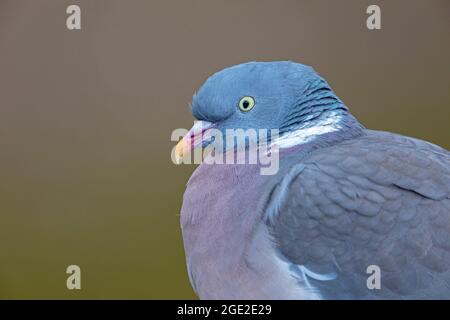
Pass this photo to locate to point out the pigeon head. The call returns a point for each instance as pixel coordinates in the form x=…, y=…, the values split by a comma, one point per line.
x=282, y=95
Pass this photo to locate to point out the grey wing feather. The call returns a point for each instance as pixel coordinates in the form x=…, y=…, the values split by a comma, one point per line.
x=382, y=200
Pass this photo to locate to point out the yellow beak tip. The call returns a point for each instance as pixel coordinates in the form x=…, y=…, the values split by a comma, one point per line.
x=180, y=151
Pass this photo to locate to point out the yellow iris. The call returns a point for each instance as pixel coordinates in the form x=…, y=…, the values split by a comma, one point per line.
x=246, y=103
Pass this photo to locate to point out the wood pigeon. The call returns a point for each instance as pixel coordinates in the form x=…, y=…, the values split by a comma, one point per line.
x=346, y=204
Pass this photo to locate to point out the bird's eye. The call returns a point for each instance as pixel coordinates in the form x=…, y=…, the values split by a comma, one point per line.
x=246, y=103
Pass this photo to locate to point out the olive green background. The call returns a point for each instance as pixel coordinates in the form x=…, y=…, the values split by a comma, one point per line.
x=86, y=117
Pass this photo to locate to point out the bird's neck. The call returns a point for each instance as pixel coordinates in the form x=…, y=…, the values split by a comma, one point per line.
x=316, y=113
x=333, y=125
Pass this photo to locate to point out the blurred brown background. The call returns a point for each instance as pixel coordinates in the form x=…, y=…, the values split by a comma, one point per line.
x=86, y=118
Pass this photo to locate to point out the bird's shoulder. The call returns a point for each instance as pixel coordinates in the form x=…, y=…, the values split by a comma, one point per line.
x=387, y=159
x=381, y=199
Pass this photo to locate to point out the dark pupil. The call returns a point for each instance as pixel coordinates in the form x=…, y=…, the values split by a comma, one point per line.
x=246, y=104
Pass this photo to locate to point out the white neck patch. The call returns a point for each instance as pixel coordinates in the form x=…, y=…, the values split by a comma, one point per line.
x=303, y=135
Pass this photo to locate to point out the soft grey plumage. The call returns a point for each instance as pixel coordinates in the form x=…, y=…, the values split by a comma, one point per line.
x=340, y=202
x=379, y=199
